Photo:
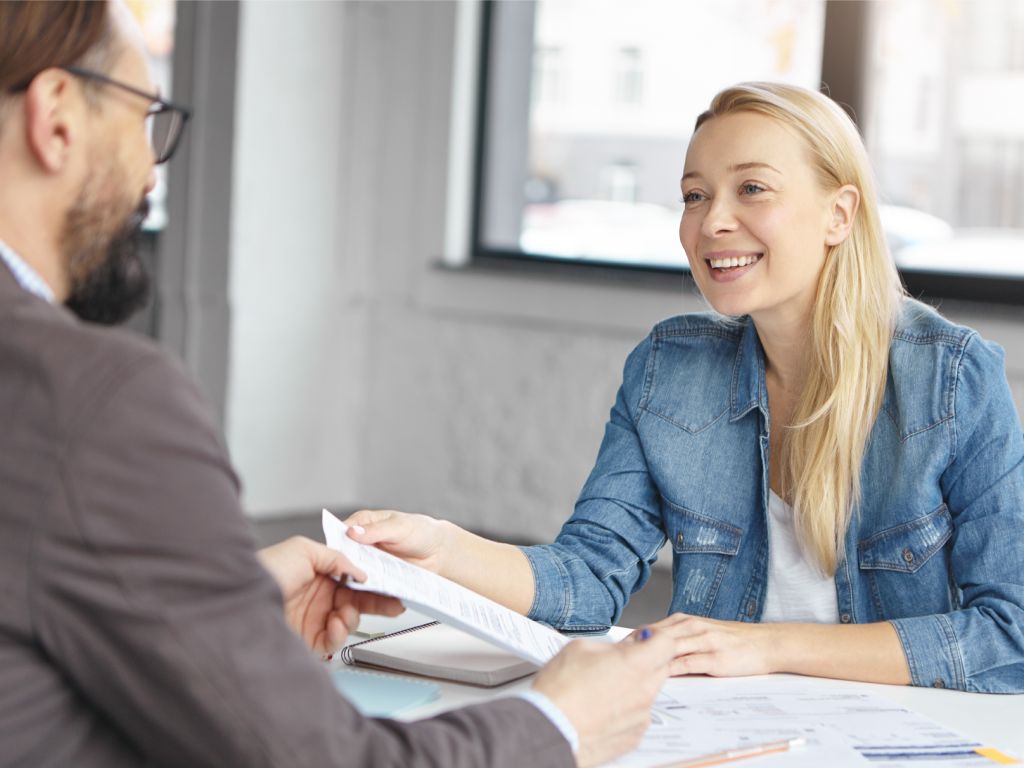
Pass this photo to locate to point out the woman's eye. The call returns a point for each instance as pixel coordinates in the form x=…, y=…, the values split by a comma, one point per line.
x=751, y=188
x=691, y=197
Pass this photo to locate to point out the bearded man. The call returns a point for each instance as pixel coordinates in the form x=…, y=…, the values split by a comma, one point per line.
x=138, y=626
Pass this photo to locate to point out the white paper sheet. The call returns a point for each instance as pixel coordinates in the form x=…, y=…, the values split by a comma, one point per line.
x=842, y=728
x=445, y=600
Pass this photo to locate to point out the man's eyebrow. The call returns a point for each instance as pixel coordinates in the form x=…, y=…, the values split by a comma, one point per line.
x=735, y=168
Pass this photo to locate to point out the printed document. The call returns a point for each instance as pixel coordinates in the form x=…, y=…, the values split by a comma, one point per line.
x=445, y=600
x=841, y=727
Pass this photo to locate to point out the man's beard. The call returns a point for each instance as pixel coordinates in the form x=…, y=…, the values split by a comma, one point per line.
x=108, y=283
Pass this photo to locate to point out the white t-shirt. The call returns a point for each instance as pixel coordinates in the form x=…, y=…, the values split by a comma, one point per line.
x=797, y=591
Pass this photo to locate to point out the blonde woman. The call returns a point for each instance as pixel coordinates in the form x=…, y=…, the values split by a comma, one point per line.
x=839, y=470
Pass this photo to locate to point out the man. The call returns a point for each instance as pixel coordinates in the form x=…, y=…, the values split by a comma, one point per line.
x=137, y=625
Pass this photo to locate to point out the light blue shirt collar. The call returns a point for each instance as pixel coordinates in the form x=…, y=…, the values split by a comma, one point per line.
x=27, y=277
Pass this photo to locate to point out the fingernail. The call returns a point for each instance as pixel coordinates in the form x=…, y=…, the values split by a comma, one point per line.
x=645, y=633
x=358, y=529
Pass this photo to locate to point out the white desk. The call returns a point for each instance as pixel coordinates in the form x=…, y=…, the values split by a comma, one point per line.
x=994, y=720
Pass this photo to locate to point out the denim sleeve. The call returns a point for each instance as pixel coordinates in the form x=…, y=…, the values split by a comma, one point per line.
x=605, y=550
x=979, y=646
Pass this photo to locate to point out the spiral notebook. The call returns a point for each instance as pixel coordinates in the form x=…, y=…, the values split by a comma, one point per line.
x=440, y=651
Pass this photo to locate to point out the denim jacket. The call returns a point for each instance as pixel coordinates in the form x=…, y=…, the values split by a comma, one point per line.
x=936, y=545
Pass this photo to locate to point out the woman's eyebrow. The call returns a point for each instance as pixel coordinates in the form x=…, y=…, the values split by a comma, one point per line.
x=734, y=169
x=748, y=166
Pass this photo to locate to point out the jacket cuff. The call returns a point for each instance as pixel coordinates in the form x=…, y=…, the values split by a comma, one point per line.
x=932, y=651
x=551, y=594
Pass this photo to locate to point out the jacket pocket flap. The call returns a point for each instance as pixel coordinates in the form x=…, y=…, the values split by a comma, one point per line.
x=908, y=546
x=695, y=533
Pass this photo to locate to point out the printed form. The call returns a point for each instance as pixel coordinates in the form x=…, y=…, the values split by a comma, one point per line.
x=841, y=727
x=444, y=600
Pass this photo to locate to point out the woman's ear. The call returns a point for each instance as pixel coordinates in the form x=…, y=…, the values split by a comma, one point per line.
x=845, y=203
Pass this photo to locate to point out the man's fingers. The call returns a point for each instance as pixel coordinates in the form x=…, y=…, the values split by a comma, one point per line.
x=655, y=652
x=330, y=562
x=381, y=605
x=337, y=634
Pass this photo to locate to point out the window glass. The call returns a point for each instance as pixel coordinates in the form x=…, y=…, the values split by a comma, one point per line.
x=945, y=128
x=609, y=108
x=156, y=17
x=589, y=110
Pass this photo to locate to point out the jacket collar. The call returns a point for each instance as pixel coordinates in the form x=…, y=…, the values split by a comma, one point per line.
x=748, y=387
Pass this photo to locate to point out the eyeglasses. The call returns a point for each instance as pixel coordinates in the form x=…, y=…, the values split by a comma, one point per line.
x=165, y=120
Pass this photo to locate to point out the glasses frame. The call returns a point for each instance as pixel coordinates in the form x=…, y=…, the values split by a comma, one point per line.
x=158, y=105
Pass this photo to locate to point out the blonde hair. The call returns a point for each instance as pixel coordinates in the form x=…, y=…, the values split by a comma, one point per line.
x=858, y=299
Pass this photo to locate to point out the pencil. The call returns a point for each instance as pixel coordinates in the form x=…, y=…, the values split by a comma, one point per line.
x=737, y=753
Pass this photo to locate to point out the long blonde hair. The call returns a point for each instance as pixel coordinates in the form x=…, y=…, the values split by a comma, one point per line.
x=855, y=311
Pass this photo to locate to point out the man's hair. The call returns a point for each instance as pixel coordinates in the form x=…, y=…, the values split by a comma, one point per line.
x=35, y=36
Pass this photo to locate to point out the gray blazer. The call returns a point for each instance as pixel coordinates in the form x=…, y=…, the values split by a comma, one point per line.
x=136, y=625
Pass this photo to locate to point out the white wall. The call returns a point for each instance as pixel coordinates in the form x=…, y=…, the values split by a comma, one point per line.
x=297, y=373
x=363, y=373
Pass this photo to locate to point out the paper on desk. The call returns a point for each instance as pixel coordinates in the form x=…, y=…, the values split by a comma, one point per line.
x=841, y=727
x=445, y=600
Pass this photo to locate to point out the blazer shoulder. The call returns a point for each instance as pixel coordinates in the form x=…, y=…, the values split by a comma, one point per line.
x=67, y=367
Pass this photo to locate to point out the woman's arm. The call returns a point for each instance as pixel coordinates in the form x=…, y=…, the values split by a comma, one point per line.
x=490, y=568
x=870, y=653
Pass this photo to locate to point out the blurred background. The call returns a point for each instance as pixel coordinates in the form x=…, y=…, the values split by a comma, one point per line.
x=407, y=244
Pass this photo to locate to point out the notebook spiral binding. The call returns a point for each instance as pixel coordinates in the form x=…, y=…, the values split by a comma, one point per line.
x=346, y=652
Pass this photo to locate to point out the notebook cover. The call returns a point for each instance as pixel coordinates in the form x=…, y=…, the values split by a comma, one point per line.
x=441, y=651
x=377, y=695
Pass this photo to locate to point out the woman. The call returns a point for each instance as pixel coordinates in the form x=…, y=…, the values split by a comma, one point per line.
x=839, y=470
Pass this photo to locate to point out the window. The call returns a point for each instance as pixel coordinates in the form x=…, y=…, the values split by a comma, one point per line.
x=587, y=112
x=156, y=18
x=945, y=128
x=547, y=70
x=629, y=76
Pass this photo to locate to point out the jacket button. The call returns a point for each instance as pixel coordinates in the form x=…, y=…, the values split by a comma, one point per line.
x=679, y=539
x=751, y=607
x=939, y=683
x=845, y=618
x=908, y=556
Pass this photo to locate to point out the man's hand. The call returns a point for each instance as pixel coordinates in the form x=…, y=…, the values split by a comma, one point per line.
x=318, y=605
x=607, y=691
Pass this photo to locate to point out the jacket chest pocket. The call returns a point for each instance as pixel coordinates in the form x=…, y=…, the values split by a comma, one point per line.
x=905, y=567
x=702, y=550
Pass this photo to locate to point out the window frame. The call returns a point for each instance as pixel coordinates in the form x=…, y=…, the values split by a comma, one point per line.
x=843, y=69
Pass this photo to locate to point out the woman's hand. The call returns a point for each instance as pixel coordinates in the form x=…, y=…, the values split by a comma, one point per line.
x=868, y=652
x=417, y=539
x=318, y=605
x=718, y=648
x=490, y=568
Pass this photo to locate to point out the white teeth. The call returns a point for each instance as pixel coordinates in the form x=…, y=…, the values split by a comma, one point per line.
x=735, y=261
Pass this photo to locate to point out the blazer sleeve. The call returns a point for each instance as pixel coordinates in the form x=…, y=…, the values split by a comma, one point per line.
x=146, y=593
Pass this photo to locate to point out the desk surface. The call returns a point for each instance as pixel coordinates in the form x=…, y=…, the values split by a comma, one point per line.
x=994, y=720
